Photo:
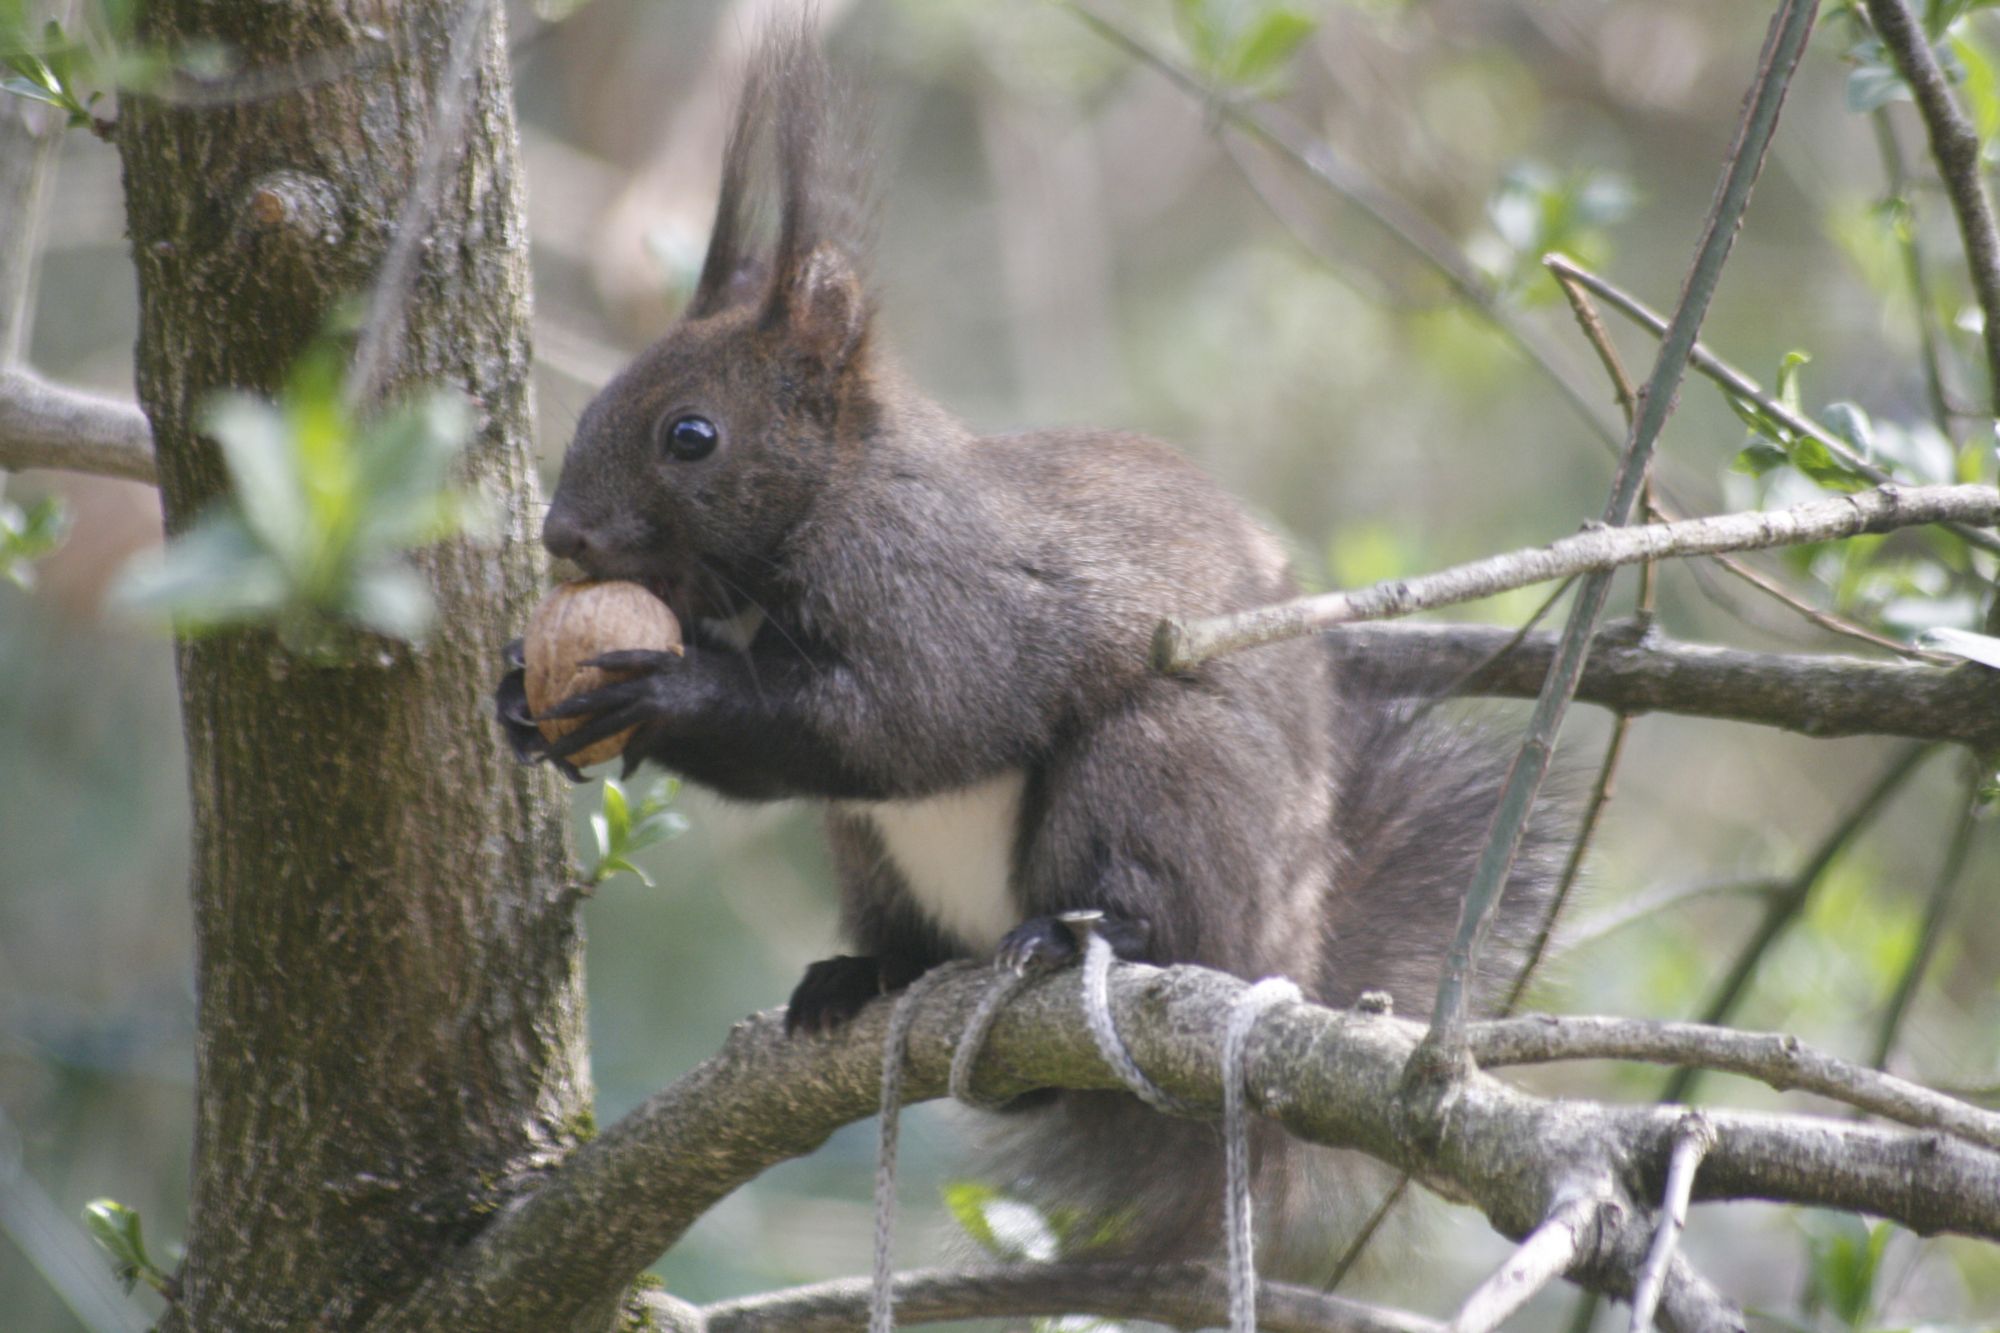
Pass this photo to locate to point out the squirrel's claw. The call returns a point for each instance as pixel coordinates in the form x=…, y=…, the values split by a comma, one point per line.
x=1040, y=943
x=515, y=653
x=524, y=738
x=1043, y=943
x=510, y=707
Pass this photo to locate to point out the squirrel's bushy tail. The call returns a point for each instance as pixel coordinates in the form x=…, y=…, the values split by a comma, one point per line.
x=1416, y=792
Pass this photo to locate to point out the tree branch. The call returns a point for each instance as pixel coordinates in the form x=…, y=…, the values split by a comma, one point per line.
x=1179, y=645
x=1778, y=1060
x=1813, y=694
x=1691, y=1139
x=47, y=425
x=1181, y=1295
x=1541, y=1258
x=1330, y=1077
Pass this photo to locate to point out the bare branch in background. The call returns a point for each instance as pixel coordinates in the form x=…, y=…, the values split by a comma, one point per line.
x=46, y=425
x=1775, y=1059
x=1179, y=645
x=1810, y=693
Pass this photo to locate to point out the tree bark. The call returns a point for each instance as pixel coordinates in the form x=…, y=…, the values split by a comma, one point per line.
x=389, y=967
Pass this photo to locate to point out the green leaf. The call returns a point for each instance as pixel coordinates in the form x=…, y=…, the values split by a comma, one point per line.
x=1271, y=41
x=1873, y=82
x=1788, y=377
x=392, y=600
x=1199, y=29
x=1004, y=1227
x=1982, y=86
x=214, y=574
x=658, y=827
x=617, y=865
x=617, y=814
x=26, y=535
x=1758, y=458
x=1814, y=459
x=117, y=1230
x=255, y=440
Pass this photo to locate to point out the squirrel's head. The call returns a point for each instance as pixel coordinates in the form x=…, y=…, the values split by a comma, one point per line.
x=690, y=469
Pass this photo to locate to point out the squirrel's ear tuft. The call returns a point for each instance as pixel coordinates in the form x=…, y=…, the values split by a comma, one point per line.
x=824, y=308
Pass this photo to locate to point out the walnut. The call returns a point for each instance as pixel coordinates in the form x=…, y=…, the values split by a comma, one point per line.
x=579, y=621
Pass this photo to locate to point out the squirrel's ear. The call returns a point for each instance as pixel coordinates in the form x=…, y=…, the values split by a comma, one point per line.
x=824, y=308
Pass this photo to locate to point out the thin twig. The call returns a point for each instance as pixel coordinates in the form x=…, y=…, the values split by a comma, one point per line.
x=1778, y=1060
x=1359, y=1245
x=1693, y=1137
x=1179, y=645
x=1599, y=339
x=1785, y=908
x=1637, y=909
x=1955, y=149
x=1614, y=746
x=1897, y=200
x=1593, y=813
x=1742, y=385
x=1943, y=893
x=1539, y=1260
x=1826, y=620
x=382, y=331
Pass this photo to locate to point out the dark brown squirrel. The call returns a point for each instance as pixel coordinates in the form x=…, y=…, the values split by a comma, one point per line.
x=942, y=638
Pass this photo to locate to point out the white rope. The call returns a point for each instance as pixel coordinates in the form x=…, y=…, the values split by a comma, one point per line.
x=1097, y=955
x=1243, y=1015
x=973, y=1039
x=882, y=1295
x=1097, y=1012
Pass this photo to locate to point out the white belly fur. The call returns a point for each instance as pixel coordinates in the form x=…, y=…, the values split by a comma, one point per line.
x=955, y=851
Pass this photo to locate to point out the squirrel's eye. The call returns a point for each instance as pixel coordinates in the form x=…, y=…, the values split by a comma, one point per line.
x=687, y=438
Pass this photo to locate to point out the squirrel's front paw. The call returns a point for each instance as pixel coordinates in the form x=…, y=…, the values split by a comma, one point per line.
x=833, y=990
x=639, y=701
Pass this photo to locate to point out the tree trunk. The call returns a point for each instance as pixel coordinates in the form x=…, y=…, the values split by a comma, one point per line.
x=389, y=963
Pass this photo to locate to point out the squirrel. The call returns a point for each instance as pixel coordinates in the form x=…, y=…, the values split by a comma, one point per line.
x=941, y=638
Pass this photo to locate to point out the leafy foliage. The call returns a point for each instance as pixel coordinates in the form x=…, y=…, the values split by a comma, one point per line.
x=324, y=504
x=26, y=535
x=117, y=1230
x=1536, y=209
x=1242, y=44
x=620, y=833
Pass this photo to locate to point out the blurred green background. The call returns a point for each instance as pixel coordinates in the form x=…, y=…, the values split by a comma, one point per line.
x=1067, y=239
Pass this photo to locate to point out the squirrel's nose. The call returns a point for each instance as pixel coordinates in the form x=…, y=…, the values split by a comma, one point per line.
x=565, y=538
